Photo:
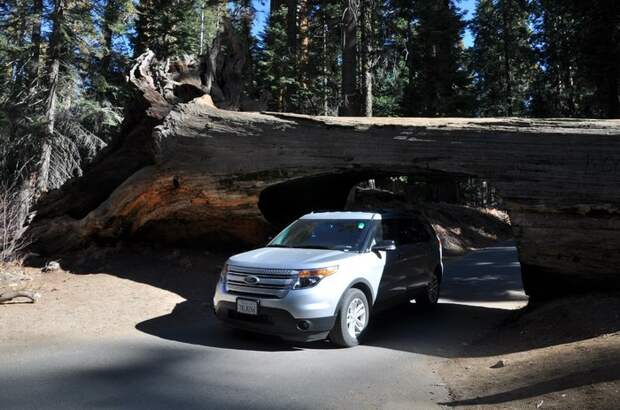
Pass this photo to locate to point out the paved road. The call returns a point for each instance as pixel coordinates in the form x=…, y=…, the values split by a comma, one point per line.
x=186, y=360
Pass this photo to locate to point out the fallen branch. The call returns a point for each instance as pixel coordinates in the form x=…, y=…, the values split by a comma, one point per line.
x=8, y=296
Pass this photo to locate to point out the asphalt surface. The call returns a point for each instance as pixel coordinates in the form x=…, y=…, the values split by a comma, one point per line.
x=187, y=360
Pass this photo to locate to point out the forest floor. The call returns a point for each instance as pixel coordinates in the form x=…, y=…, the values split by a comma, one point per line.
x=563, y=354
x=489, y=350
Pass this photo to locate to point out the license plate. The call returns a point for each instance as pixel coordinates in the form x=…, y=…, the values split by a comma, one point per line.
x=247, y=307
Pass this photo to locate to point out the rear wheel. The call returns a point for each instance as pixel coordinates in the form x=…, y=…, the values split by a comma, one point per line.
x=430, y=294
x=352, y=319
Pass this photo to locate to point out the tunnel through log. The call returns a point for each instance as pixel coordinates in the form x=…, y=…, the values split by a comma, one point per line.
x=282, y=203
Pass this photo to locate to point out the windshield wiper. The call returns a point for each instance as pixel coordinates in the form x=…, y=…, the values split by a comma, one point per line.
x=278, y=246
x=311, y=247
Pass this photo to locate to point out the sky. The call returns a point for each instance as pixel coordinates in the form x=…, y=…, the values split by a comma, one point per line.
x=262, y=12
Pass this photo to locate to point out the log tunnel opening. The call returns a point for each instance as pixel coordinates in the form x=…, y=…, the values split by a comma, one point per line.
x=284, y=202
x=456, y=205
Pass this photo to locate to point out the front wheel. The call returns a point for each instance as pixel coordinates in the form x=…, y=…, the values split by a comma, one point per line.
x=352, y=319
x=430, y=294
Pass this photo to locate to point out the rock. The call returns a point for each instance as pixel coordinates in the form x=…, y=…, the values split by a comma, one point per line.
x=51, y=266
x=498, y=365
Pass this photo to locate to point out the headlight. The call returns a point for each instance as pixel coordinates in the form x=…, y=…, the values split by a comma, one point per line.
x=224, y=272
x=311, y=277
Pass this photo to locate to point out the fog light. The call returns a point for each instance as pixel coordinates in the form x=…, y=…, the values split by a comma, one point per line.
x=303, y=325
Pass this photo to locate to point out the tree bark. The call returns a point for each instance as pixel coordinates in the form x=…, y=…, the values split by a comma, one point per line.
x=55, y=52
x=506, y=33
x=349, y=60
x=367, y=64
x=274, y=6
x=291, y=26
x=37, y=11
x=106, y=60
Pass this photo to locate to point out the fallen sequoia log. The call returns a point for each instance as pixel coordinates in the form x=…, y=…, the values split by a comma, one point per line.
x=185, y=170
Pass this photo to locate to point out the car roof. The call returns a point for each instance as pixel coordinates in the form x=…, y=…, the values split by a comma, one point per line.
x=380, y=214
x=342, y=215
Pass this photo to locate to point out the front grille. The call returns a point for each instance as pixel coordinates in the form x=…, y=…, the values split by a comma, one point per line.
x=271, y=282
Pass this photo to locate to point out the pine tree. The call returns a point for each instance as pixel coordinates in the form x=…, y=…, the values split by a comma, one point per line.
x=279, y=58
x=598, y=28
x=502, y=57
x=350, y=93
x=391, y=71
x=438, y=81
x=367, y=18
x=558, y=91
x=168, y=27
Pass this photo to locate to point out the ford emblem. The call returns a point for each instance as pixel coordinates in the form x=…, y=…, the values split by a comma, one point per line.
x=251, y=280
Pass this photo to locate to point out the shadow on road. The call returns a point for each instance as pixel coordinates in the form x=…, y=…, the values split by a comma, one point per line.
x=476, y=286
x=442, y=332
x=133, y=377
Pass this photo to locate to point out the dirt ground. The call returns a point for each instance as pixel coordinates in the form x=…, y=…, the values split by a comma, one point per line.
x=105, y=291
x=563, y=355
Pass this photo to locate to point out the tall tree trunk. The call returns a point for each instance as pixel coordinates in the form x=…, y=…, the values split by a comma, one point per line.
x=612, y=25
x=303, y=56
x=55, y=51
x=202, y=27
x=37, y=11
x=106, y=60
x=291, y=26
x=613, y=103
x=304, y=25
x=349, y=59
x=274, y=6
x=324, y=91
x=506, y=9
x=367, y=37
x=291, y=37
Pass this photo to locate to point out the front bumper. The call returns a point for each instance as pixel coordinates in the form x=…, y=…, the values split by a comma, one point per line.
x=298, y=316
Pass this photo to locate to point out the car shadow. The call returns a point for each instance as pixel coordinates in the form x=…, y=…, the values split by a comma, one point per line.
x=196, y=324
x=442, y=332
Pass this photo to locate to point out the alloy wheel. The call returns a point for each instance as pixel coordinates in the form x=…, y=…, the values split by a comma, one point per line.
x=356, y=317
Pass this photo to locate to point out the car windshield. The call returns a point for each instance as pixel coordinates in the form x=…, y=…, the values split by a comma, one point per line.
x=338, y=234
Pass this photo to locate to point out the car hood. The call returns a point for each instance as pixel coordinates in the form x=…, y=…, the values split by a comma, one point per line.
x=289, y=258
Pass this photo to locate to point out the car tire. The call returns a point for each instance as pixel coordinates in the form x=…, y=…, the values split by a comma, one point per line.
x=352, y=319
x=429, y=296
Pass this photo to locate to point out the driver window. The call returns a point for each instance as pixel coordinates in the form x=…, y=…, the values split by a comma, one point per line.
x=377, y=235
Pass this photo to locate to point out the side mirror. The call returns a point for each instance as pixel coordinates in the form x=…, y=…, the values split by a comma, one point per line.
x=388, y=245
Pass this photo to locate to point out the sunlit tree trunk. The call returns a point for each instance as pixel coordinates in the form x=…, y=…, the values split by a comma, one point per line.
x=37, y=10
x=55, y=50
x=367, y=41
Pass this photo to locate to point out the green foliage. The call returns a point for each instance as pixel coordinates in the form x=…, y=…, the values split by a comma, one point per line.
x=168, y=27
x=502, y=57
x=439, y=84
x=277, y=66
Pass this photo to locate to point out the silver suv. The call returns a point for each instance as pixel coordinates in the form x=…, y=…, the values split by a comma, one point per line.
x=325, y=273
